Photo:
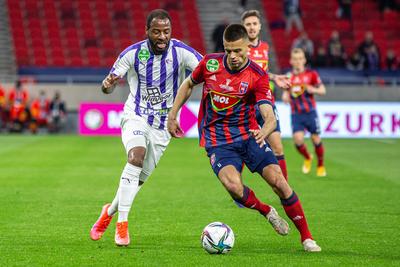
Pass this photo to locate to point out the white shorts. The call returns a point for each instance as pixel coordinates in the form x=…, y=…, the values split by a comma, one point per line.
x=137, y=132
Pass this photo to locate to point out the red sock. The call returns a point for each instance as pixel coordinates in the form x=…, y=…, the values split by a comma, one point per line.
x=282, y=164
x=319, y=150
x=295, y=212
x=303, y=150
x=249, y=200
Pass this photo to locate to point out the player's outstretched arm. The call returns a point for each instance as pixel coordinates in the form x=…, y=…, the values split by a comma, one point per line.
x=318, y=90
x=269, y=124
x=109, y=83
x=283, y=81
x=184, y=92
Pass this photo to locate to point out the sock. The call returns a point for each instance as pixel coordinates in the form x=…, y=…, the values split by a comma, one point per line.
x=319, y=150
x=282, y=164
x=294, y=211
x=249, y=200
x=303, y=150
x=114, y=205
x=128, y=187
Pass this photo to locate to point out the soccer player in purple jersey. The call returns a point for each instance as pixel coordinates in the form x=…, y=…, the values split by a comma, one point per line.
x=228, y=129
x=155, y=67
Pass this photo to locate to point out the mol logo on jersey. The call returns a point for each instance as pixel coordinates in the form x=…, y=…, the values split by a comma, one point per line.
x=221, y=101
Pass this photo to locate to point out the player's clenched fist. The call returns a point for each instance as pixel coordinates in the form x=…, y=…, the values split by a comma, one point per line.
x=109, y=83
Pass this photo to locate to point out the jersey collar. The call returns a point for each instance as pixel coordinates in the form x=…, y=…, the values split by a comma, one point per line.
x=257, y=45
x=234, y=71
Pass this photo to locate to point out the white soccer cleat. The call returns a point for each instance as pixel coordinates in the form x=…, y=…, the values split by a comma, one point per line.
x=277, y=222
x=311, y=246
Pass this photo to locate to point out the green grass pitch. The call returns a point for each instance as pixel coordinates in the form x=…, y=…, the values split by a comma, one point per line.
x=52, y=189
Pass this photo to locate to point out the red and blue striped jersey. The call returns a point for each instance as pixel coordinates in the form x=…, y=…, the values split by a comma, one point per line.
x=300, y=100
x=227, y=106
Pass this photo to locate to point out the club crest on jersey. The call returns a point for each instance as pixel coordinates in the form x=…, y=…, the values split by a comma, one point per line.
x=144, y=55
x=212, y=65
x=297, y=90
x=221, y=101
x=243, y=87
x=212, y=159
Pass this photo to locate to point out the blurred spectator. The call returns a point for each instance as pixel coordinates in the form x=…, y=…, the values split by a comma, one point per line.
x=18, y=100
x=391, y=60
x=292, y=15
x=58, y=114
x=344, y=11
x=242, y=6
x=369, y=52
x=388, y=5
x=39, y=111
x=336, y=52
x=321, y=59
x=217, y=35
x=355, y=62
x=372, y=59
x=2, y=107
x=305, y=44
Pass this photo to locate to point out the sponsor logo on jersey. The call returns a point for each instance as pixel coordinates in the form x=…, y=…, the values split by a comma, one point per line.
x=243, y=87
x=144, y=55
x=297, y=90
x=212, y=65
x=213, y=77
x=154, y=96
x=226, y=85
x=221, y=101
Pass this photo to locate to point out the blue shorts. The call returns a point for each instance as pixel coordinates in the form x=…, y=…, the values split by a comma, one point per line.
x=306, y=121
x=260, y=119
x=239, y=153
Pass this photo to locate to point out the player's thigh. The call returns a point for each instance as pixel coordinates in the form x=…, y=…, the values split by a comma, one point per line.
x=222, y=156
x=275, y=141
x=312, y=123
x=134, y=132
x=256, y=157
x=157, y=144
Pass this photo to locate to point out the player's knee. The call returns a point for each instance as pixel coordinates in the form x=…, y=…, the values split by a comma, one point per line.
x=277, y=149
x=136, y=156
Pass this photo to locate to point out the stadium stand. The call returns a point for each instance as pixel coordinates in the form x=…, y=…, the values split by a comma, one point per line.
x=81, y=33
x=319, y=19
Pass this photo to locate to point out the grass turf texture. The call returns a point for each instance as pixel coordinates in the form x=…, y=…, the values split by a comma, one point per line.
x=52, y=189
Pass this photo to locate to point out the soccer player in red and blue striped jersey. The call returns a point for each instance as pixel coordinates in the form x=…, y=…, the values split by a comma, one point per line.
x=305, y=84
x=232, y=86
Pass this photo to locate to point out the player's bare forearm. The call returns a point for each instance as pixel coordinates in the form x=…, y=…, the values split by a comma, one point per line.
x=281, y=80
x=319, y=90
x=269, y=124
x=184, y=92
x=109, y=83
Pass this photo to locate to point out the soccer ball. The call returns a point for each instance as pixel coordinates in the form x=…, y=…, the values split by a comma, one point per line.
x=217, y=238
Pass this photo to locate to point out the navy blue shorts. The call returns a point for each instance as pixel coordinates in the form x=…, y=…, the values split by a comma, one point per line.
x=239, y=153
x=260, y=119
x=306, y=121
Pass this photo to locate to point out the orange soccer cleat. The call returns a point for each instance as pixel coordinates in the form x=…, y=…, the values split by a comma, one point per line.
x=101, y=224
x=122, y=234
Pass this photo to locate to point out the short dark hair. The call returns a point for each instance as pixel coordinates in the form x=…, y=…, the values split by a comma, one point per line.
x=251, y=13
x=235, y=32
x=156, y=13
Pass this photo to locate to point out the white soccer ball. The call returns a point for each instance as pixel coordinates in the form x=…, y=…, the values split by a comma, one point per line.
x=217, y=238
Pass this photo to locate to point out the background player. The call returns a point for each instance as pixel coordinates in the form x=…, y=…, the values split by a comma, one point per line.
x=155, y=68
x=258, y=52
x=305, y=83
x=233, y=85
